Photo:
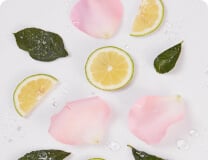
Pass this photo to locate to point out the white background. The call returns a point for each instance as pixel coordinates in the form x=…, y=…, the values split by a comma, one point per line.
x=184, y=20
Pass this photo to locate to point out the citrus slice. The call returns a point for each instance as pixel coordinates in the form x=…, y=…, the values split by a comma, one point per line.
x=149, y=17
x=30, y=91
x=109, y=68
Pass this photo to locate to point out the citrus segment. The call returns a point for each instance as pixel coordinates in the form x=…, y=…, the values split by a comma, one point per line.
x=30, y=91
x=149, y=17
x=109, y=68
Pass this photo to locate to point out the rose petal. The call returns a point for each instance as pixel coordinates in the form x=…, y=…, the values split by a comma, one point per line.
x=151, y=116
x=97, y=18
x=81, y=122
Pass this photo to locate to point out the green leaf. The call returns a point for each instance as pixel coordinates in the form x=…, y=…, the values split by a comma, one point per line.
x=45, y=155
x=140, y=155
x=41, y=45
x=166, y=61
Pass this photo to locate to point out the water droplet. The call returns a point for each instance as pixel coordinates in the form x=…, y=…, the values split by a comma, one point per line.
x=182, y=144
x=169, y=25
x=194, y=133
x=44, y=42
x=167, y=28
x=171, y=30
x=142, y=155
x=54, y=104
x=126, y=46
x=43, y=156
x=114, y=146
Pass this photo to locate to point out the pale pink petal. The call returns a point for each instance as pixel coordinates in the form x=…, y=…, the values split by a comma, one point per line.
x=81, y=122
x=97, y=18
x=151, y=116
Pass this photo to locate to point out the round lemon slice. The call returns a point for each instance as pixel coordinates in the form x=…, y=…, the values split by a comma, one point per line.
x=149, y=17
x=109, y=68
x=30, y=91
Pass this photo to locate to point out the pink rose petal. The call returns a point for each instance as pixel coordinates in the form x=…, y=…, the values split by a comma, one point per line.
x=97, y=18
x=151, y=116
x=81, y=122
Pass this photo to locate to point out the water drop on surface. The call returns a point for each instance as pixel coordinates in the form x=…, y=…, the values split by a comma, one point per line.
x=182, y=144
x=126, y=46
x=142, y=155
x=114, y=146
x=43, y=156
x=194, y=133
x=44, y=42
x=54, y=104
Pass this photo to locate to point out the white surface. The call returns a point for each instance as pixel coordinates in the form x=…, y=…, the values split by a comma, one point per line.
x=1, y=1
x=206, y=1
x=185, y=20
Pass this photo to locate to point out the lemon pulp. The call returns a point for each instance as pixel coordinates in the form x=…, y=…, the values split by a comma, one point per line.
x=109, y=68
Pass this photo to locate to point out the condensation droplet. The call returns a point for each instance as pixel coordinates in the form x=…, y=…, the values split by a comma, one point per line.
x=43, y=156
x=168, y=28
x=182, y=144
x=142, y=155
x=172, y=30
x=126, y=46
x=114, y=146
x=44, y=42
x=54, y=104
x=194, y=133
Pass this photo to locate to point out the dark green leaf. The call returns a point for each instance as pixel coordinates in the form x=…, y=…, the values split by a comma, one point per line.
x=140, y=155
x=45, y=155
x=41, y=45
x=166, y=61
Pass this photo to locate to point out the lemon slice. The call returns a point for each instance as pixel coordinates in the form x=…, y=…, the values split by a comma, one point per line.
x=149, y=17
x=30, y=91
x=109, y=68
